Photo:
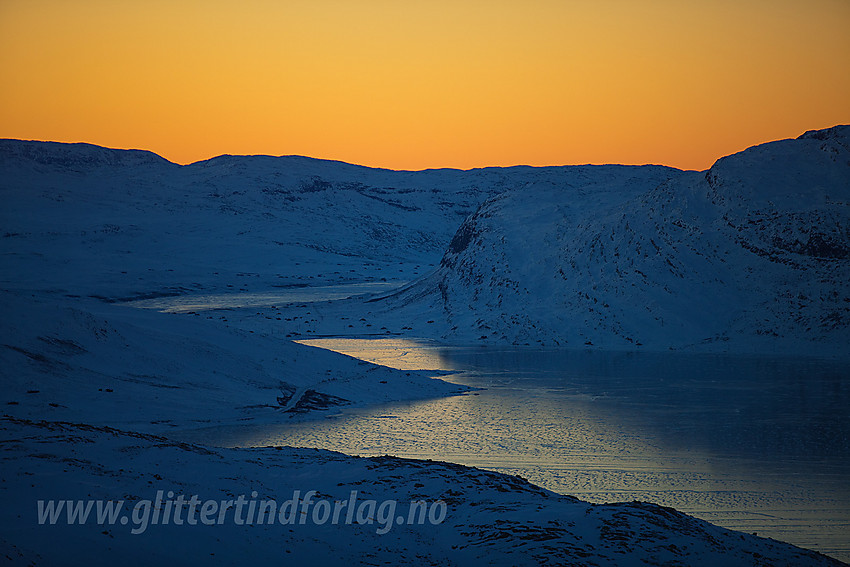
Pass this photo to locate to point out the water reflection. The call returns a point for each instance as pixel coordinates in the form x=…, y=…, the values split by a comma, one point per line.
x=744, y=406
x=404, y=354
x=751, y=407
x=754, y=444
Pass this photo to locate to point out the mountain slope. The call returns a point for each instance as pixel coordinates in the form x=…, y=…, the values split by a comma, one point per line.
x=83, y=220
x=753, y=255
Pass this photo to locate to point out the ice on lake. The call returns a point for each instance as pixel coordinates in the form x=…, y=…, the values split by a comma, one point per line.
x=236, y=300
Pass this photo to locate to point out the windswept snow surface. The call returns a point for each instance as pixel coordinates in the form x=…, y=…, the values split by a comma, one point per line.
x=752, y=255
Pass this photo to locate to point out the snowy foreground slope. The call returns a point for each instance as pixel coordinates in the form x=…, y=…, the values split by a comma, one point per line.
x=490, y=518
x=152, y=372
x=750, y=256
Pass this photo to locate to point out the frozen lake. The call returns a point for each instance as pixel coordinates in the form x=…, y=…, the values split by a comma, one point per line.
x=758, y=445
x=195, y=302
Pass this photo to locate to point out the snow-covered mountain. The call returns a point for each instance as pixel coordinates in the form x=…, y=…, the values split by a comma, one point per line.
x=752, y=255
x=85, y=220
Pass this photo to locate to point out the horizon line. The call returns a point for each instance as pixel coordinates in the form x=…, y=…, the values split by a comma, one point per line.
x=365, y=166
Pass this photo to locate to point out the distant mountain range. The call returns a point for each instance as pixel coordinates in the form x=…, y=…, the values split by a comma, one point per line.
x=86, y=220
x=752, y=255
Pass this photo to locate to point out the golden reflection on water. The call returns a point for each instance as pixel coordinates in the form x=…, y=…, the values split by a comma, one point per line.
x=403, y=354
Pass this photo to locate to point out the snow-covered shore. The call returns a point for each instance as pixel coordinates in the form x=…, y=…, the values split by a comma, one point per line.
x=489, y=518
x=83, y=361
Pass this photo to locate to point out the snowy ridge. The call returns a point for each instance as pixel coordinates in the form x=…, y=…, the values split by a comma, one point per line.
x=78, y=157
x=751, y=256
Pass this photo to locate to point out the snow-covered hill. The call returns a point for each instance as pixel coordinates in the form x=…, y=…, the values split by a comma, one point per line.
x=85, y=220
x=753, y=255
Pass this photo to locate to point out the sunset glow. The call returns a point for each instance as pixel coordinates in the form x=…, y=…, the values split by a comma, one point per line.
x=413, y=85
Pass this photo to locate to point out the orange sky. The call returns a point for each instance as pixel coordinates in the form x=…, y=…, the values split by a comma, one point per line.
x=415, y=84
